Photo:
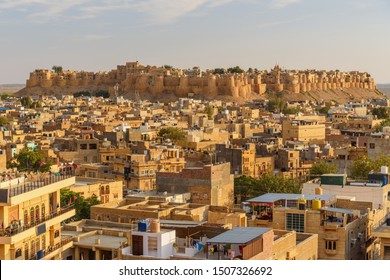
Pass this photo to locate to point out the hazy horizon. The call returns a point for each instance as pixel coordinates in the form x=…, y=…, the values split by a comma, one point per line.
x=98, y=35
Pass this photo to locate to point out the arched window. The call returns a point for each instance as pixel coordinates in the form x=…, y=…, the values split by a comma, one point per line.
x=25, y=217
x=43, y=211
x=37, y=213
x=101, y=190
x=18, y=253
x=32, y=248
x=56, y=234
x=107, y=189
x=31, y=215
x=37, y=244
x=43, y=242
x=26, y=256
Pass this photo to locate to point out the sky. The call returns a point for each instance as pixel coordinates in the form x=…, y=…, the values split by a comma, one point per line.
x=98, y=35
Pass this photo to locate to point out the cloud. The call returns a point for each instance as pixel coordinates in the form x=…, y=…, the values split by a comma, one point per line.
x=156, y=11
x=278, y=4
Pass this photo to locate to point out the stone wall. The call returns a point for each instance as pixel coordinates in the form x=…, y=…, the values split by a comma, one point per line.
x=157, y=81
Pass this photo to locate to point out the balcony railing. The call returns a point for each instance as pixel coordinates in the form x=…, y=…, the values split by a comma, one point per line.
x=15, y=228
x=30, y=186
x=50, y=249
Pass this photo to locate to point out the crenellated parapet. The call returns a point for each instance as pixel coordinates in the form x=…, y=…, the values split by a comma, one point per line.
x=159, y=80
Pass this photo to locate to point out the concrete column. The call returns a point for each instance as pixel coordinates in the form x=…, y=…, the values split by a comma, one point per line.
x=77, y=253
x=97, y=254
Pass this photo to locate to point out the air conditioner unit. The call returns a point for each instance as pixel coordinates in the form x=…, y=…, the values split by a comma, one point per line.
x=353, y=241
x=360, y=235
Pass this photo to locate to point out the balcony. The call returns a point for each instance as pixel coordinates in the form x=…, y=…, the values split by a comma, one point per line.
x=15, y=232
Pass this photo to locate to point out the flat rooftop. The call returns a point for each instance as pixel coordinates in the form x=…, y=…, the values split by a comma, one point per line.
x=106, y=241
x=239, y=235
x=273, y=197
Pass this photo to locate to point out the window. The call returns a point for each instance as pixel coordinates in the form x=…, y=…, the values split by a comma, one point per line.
x=26, y=255
x=25, y=217
x=43, y=211
x=43, y=242
x=18, y=253
x=37, y=213
x=32, y=215
x=330, y=245
x=372, y=145
x=83, y=146
x=37, y=244
x=295, y=222
x=32, y=248
x=92, y=146
x=56, y=234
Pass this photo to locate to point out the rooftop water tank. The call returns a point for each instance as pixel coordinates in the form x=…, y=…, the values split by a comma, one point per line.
x=316, y=204
x=155, y=226
x=142, y=226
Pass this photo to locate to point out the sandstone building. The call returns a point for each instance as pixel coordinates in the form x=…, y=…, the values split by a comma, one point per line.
x=158, y=80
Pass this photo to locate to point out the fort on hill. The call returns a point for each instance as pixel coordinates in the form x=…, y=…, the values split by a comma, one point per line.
x=134, y=77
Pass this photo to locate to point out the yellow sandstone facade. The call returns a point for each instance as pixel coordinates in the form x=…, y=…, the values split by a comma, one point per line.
x=158, y=80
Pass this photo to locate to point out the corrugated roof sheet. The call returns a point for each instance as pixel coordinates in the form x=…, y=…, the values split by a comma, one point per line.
x=272, y=197
x=239, y=235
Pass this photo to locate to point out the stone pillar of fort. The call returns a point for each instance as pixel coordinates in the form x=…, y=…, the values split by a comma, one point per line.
x=212, y=89
x=183, y=89
x=157, y=85
x=231, y=88
x=32, y=81
x=73, y=79
x=141, y=84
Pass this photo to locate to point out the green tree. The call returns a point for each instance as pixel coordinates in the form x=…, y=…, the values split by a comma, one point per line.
x=324, y=110
x=5, y=96
x=102, y=93
x=322, y=167
x=3, y=121
x=362, y=166
x=82, y=205
x=219, y=71
x=57, y=69
x=381, y=112
x=166, y=66
x=235, y=69
x=248, y=187
x=209, y=110
x=276, y=104
x=175, y=134
x=291, y=110
x=383, y=123
x=26, y=101
x=82, y=93
x=244, y=186
x=28, y=160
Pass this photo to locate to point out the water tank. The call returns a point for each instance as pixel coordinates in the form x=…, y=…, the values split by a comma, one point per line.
x=384, y=170
x=319, y=191
x=155, y=226
x=142, y=226
x=316, y=204
x=302, y=203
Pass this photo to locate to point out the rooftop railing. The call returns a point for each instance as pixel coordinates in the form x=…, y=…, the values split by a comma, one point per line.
x=33, y=185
